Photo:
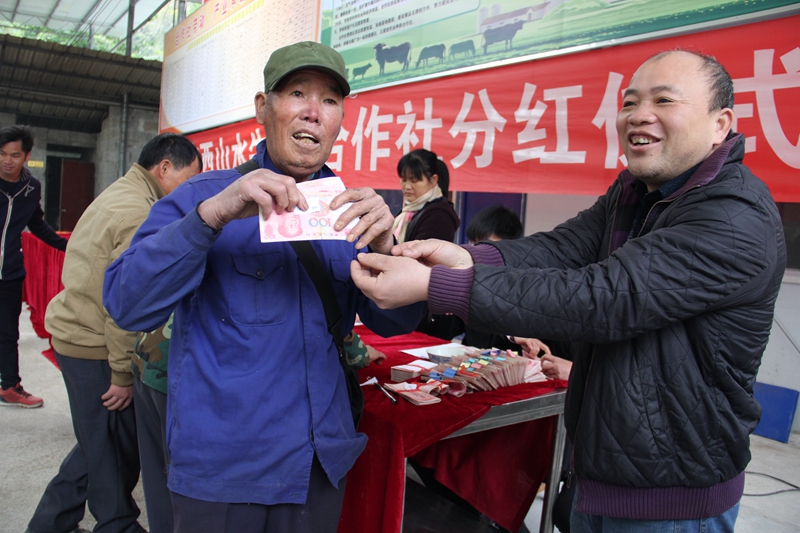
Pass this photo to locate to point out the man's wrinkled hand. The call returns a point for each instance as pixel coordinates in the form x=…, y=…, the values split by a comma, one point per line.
x=242, y=198
x=375, y=225
x=117, y=398
x=432, y=252
x=391, y=282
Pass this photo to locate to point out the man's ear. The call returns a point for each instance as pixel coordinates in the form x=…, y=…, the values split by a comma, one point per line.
x=260, y=102
x=722, y=125
x=161, y=169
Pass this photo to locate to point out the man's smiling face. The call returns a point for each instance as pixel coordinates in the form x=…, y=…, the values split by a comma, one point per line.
x=302, y=118
x=665, y=126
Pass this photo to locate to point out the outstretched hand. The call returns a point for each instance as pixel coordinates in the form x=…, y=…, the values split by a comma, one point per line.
x=391, y=282
x=375, y=225
x=531, y=347
x=432, y=252
x=242, y=198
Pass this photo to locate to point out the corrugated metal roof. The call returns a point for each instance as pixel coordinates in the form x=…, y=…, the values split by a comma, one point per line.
x=70, y=88
x=107, y=17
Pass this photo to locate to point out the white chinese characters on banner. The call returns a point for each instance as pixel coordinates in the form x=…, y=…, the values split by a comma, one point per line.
x=371, y=124
x=764, y=83
x=547, y=126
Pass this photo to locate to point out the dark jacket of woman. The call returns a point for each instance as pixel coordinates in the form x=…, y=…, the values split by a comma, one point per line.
x=437, y=220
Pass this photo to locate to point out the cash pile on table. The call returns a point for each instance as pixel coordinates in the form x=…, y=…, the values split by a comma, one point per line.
x=488, y=371
x=411, y=370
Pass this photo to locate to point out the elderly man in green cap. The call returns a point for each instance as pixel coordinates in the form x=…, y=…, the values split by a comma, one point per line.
x=259, y=428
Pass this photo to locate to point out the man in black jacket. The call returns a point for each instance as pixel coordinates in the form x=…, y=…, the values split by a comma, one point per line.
x=19, y=207
x=665, y=289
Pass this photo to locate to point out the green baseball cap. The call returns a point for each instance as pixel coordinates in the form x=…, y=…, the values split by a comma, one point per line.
x=306, y=54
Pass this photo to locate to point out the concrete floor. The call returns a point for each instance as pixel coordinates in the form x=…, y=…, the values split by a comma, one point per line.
x=34, y=441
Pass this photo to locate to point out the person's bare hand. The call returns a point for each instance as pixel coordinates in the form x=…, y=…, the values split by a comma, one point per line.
x=391, y=282
x=432, y=252
x=375, y=225
x=555, y=367
x=242, y=198
x=117, y=398
x=531, y=347
x=375, y=356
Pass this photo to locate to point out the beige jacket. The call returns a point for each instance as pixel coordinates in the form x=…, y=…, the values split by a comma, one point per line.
x=76, y=318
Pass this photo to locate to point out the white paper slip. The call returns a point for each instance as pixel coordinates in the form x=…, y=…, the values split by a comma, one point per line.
x=422, y=353
x=314, y=224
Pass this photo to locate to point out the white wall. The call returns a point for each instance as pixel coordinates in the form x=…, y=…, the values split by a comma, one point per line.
x=781, y=362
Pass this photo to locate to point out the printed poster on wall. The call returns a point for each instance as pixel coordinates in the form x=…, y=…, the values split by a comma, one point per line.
x=548, y=126
x=385, y=42
x=213, y=60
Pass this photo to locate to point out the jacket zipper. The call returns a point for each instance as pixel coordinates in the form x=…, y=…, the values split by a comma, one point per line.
x=594, y=347
x=5, y=228
x=665, y=201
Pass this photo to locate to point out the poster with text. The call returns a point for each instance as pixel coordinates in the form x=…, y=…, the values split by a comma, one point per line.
x=213, y=60
x=386, y=42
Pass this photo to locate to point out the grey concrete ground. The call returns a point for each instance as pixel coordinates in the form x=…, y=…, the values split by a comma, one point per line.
x=34, y=441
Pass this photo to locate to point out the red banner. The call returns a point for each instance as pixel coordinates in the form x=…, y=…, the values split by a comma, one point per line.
x=548, y=126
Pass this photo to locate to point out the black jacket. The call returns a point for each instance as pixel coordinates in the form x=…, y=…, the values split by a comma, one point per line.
x=667, y=329
x=19, y=208
x=436, y=220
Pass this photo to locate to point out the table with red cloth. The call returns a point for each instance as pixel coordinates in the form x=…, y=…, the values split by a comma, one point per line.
x=498, y=471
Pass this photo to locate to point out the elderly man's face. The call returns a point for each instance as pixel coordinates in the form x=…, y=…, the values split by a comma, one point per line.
x=302, y=121
x=664, y=126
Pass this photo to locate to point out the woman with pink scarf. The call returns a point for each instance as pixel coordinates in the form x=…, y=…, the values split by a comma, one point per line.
x=427, y=214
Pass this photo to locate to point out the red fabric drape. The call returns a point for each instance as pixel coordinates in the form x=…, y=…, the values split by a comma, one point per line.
x=497, y=471
x=43, y=266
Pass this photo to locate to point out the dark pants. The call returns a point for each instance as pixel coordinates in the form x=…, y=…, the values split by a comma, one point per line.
x=151, y=431
x=10, y=309
x=102, y=469
x=320, y=513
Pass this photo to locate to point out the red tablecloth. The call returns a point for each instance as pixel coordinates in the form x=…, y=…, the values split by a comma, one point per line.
x=43, y=265
x=497, y=471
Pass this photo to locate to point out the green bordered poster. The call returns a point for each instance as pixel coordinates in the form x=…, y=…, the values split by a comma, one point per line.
x=385, y=42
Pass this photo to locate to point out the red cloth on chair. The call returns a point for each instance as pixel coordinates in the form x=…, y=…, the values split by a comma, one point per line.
x=497, y=471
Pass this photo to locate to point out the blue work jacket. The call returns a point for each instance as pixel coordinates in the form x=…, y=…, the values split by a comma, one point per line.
x=255, y=386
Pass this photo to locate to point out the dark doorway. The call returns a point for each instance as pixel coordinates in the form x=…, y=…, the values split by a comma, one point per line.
x=54, y=200
x=77, y=191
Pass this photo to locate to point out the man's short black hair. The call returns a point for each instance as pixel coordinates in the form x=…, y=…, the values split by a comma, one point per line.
x=497, y=220
x=13, y=134
x=719, y=80
x=176, y=148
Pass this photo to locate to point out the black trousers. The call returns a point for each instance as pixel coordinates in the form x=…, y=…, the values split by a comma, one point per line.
x=320, y=513
x=151, y=431
x=10, y=309
x=103, y=467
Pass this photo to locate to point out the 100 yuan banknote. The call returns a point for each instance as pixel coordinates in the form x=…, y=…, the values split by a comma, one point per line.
x=316, y=223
